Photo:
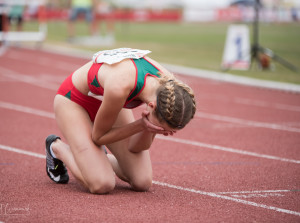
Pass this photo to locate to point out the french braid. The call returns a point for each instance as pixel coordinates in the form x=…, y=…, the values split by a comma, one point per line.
x=175, y=101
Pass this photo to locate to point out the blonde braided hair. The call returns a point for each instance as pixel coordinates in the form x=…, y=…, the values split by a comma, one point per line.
x=175, y=101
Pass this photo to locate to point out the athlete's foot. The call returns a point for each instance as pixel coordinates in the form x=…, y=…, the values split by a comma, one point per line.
x=55, y=168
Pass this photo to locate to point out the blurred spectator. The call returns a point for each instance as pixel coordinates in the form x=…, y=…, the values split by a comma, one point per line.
x=104, y=11
x=15, y=13
x=294, y=13
x=3, y=26
x=2, y=17
x=78, y=8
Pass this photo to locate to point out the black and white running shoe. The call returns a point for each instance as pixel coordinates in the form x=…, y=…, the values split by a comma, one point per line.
x=55, y=168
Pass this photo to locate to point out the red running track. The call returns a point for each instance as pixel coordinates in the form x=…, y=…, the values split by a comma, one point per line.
x=238, y=160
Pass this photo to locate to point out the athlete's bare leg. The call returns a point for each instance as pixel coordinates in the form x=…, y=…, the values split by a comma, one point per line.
x=87, y=162
x=134, y=168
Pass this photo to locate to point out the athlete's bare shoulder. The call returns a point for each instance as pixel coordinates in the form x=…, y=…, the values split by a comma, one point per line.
x=122, y=73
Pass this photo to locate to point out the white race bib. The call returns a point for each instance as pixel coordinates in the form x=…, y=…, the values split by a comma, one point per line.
x=117, y=55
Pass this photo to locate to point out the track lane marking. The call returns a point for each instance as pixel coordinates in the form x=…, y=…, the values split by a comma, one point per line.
x=250, y=203
x=238, y=100
x=21, y=151
x=54, y=86
x=32, y=111
x=250, y=102
x=264, y=104
x=241, y=80
x=41, y=61
x=226, y=149
x=246, y=122
x=186, y=71
x=210, y=194
x=253, y=192
x=46, y=114
x=28, y=79
x=257, y=191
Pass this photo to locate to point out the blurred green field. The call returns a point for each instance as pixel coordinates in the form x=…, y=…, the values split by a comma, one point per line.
x=194, y=45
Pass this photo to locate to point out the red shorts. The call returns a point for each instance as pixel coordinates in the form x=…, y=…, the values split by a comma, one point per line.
x=90, y=104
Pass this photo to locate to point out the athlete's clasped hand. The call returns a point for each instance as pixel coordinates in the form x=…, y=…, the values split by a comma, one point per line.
x=149, y=126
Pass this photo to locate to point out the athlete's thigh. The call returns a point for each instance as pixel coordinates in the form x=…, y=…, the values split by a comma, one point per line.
x=76, y=127
x=133, y=165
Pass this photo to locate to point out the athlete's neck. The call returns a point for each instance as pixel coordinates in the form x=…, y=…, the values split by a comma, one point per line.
x=149, y=92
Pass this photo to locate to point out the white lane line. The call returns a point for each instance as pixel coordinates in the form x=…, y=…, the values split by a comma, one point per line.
x=226, y=149
x=188, y=71
x=21, y=151
x=28, y=110
x=207, y=74
x=48, y=85
x=38, y=112
x=228, y=198
x=250, y=102
x=257, y=191
x=264, y=104
x=37, y=155
x=69, y=67
x=225, y=77
x=28, y=79
x=246, y=122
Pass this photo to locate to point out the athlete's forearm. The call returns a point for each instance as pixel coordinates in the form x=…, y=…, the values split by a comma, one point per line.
x=119, y=133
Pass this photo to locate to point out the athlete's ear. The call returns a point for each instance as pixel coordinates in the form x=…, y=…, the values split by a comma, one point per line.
x=152, y=104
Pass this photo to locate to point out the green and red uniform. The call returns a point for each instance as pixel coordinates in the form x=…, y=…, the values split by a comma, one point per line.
x=91, y=104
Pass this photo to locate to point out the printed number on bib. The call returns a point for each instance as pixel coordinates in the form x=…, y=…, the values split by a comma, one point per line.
x=117, y=55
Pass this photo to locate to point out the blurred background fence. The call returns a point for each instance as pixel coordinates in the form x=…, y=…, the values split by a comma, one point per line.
x=177, y=10
x=190, y=33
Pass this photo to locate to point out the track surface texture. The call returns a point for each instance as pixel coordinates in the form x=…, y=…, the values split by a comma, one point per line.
x=237, y=161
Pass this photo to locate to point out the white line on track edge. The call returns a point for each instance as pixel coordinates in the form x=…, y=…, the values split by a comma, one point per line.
x=46, y=114
x=21, y=151
x=255, y=191
x=188, y=71
x=53, y=86
x=227, y=198
x=225, y=149
x=210, y=194
x=246, y=122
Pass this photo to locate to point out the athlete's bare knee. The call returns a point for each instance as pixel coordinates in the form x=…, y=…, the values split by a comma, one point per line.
x=102, y=186
x=142, y=183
